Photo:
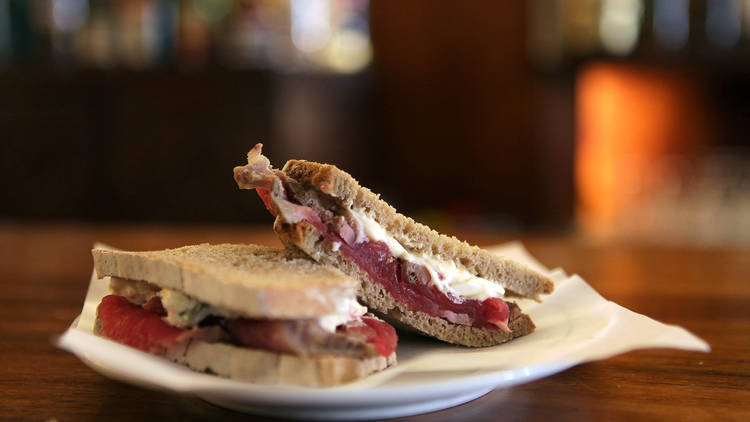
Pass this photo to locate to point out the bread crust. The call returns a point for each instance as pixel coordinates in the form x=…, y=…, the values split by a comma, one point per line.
x=269, y=368
x=250, y=280
x=516, y=278
x=304, y=237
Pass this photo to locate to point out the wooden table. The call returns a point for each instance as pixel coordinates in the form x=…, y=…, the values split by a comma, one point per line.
x=44, y=273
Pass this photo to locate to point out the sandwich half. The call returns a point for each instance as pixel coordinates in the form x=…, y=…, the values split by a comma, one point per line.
x=411, y=275
x=247, y=312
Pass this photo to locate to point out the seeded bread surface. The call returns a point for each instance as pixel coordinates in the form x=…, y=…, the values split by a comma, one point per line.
x=251, y=280
x=304, y=237
x=516, y=278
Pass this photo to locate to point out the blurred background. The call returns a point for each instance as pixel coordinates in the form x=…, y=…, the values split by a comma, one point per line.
x=605, y=119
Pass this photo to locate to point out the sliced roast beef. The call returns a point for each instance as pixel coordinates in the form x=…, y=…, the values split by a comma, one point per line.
x=144, y=327
x=303, y=337
x=135, y=326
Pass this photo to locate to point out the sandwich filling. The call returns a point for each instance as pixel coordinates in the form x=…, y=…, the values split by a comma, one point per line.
x=446, y=275
x=158, y=321
x=423, y=283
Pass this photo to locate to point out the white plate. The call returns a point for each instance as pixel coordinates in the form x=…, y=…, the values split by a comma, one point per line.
x=574, y=325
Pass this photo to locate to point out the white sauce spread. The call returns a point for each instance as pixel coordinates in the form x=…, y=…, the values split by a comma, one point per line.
x=455, y=280
x=350, y=310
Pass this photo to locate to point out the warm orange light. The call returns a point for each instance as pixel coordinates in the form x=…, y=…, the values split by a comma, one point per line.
x=627, y=118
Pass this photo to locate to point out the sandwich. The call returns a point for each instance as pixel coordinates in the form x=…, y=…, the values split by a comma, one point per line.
x=246, y=312
x=410, y=275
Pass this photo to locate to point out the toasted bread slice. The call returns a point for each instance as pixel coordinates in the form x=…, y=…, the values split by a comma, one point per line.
x=250, y=280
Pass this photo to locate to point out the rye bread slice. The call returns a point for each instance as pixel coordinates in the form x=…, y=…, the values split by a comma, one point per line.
x=251, y=280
